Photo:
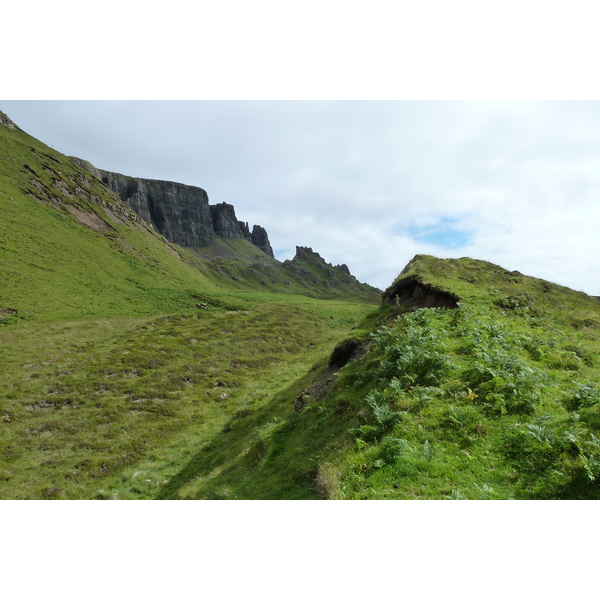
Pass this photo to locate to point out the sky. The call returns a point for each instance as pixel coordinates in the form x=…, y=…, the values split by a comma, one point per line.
x=367, y=183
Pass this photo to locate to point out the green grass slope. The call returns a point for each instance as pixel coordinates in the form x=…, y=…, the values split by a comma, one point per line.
x=496, y=398
x=70, y=248
x=114, y=407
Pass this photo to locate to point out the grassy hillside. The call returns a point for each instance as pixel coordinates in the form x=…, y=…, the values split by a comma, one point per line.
x=240, y=265
x=132, y=368
x=69, y=248
x=497, y=398
x=84, y=400
x=121, y=354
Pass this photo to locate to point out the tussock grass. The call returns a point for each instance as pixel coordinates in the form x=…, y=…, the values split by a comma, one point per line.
x=114, y=384
x=84, y=402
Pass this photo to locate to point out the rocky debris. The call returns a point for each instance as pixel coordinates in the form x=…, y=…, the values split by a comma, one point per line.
x=4, y=120
x=9, y=311
x=301, y=401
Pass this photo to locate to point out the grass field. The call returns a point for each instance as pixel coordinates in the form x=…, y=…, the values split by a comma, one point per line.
x=83, y=400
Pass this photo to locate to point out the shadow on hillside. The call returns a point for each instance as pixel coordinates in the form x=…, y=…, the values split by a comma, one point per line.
x=272, y=453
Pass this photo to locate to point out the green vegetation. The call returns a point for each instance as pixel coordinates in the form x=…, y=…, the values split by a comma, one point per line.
x=84, y=400
x=239, y=265
x=495, y=399
x=474, y=403
x=69, y=248
x=115, y=352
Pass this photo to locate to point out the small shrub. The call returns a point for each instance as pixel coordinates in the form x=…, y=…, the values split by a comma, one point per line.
x=393, y=449
x=384, y=416
x=585, y=396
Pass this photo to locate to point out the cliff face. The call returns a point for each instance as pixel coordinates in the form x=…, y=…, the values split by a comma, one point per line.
x=225, y=223
x=260, y=238
x=181, y=213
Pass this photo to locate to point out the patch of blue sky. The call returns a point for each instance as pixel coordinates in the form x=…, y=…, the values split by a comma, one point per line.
x=447, y=234
x=282, y=254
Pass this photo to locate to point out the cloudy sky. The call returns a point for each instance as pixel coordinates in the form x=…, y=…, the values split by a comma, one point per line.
x=367, y=183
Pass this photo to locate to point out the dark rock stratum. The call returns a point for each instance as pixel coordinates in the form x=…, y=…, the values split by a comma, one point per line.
x=179, y=212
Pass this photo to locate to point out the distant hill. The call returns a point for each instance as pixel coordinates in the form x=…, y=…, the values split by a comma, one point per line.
x=223, y=247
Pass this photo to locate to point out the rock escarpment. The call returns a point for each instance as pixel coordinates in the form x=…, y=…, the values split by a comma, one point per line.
x=308, y=266
x=179, y=212
x=225, y=223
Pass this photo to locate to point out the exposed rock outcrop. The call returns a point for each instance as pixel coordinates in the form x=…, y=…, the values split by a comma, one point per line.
x=412, y=292
x=304, y=254
x=4, y=120
x=225, y=223
x=179, y=212
x=260, y=238
x=309, y=267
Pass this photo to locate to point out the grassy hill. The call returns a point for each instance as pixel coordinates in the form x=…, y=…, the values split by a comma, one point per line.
x=69, y=248
x=240, y=265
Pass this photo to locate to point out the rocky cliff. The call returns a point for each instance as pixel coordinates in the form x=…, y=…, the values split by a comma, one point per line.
x=180, y=212
x=311, y=268
x=260, y=238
